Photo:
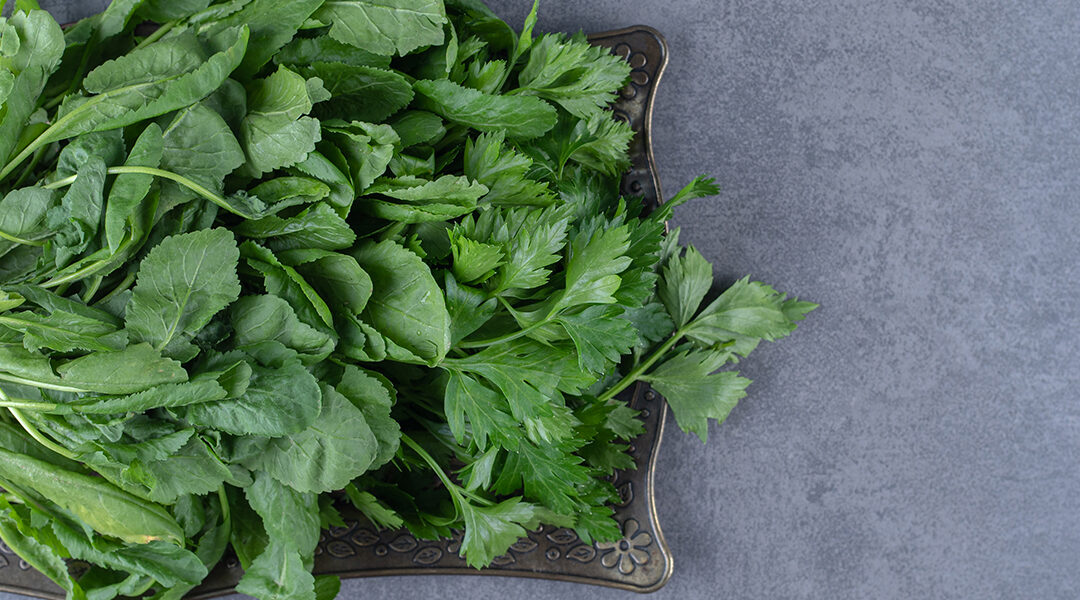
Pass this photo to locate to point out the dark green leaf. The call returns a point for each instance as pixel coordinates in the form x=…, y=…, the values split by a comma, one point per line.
x=64, y=331
x=685, y=282
x=129, y=189
x=336, y=449
x=272, y=24
x=183, y=282
x=154, y=80
x=278, y=401
x=275, y=132
x=385, y=27
x=291, y=518
x=469, y=309
x=406, y=305
x=358, y=92
x=600, y=335
x=337, y=277
x=199, y=146
x=372, y=397
x=325, y=49
x=695, y=395
x=413, y=200
x=22, y=214
x=134, y=369
x=520, y=117
x=101, y=505
x=491, y=530
x=278, y=574
x=318, y=227
x=580, y=77
x=503, y=171
x=40, y=47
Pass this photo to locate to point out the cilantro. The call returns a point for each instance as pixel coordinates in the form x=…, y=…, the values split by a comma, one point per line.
x=284, y=254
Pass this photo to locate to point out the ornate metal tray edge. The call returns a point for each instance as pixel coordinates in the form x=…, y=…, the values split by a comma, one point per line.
x=640, y=562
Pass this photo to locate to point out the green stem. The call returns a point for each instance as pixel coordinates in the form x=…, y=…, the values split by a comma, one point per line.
x=223, y=498
x=89, y=269
x=124, y=284
x=157, y=35
x=503, y=338
x=40, y=384
x=18, y=240
x=640, y=370
x=184, y=181
x=41, y=439
x=512, y=335
x=455, y=494
x=24, y=404
x=76, y=80
x=92, y=288
x=34, y=160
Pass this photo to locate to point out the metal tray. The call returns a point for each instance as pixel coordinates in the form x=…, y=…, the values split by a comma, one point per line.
x=640, y=561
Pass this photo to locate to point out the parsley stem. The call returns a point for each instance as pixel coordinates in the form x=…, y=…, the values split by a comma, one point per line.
x=503, y=338
x=641, y=368
x=184, y=181
x=419, y=450
x=37, y=435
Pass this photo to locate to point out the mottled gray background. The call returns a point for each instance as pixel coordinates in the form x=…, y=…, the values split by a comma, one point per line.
x=913, y=167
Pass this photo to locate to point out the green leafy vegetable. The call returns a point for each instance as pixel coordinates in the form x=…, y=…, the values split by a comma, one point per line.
x=281, y=255
x=182, y=284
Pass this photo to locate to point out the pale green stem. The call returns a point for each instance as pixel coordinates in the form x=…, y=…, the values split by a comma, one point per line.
x=450, y=487
x=37, y=435
x=184, y=181
x=124, y=284
x=640, y=369
x=40, y=384
x=18, y=240
x=157, y=35
x=92, y=289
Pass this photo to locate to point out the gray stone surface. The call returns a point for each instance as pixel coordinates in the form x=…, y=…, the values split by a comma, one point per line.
x=912, y=166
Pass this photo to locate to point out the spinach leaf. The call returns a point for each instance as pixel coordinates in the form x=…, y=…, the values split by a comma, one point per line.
x=278, y=401
x=40, y=47
x=146, y=83
x=104, y=507
x=22, y=215
x=130, y=189
x=275, y=131
x=387, y=26
x=338, y=447
x=183, y=282
x=406, y=305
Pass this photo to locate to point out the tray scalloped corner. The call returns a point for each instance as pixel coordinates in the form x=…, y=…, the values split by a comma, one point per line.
x=640, y=561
